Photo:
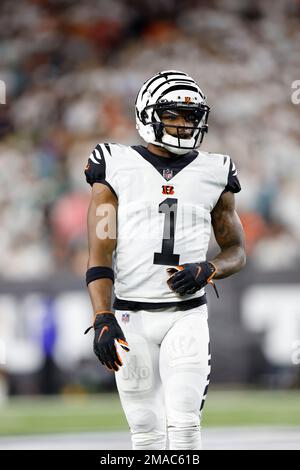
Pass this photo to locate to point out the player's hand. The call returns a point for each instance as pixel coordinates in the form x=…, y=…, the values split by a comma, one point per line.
x=188, y=278
x=107, y=331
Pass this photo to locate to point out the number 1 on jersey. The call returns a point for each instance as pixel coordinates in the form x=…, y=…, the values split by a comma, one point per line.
x=169, y=208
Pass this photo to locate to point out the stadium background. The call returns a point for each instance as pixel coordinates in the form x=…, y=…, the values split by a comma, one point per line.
x=72, y=71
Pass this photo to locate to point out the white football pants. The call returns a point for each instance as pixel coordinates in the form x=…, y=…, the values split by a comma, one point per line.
x=164, y=378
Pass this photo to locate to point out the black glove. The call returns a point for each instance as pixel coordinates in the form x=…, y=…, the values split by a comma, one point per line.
x=188, y=278
x=107, y=330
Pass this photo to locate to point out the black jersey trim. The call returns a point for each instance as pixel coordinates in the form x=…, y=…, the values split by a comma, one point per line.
x=106, y=184
x=107, y=148
x=233, y=183
x=176, y=163
x=99, y=148
x=98, y=172
x=121, y=304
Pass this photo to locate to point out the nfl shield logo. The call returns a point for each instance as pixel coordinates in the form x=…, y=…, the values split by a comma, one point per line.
x=167, y=174
x=125, y=317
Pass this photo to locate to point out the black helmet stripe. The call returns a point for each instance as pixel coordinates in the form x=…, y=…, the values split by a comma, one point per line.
x=181, y=80
x=160, y=75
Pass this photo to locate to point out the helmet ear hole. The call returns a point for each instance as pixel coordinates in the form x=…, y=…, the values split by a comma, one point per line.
x=144, y=116
x=159, y=131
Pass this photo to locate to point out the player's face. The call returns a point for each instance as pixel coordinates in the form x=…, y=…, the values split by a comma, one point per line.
x=181, y=120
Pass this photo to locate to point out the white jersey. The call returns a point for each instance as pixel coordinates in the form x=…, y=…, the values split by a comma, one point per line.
x=164, y=216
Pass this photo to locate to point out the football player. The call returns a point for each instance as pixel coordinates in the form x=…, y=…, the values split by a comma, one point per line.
x=149, y=224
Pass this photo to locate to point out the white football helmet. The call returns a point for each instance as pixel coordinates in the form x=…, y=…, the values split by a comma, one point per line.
x=173, y=91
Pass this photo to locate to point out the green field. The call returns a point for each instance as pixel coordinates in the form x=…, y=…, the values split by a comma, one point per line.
x=103, y=412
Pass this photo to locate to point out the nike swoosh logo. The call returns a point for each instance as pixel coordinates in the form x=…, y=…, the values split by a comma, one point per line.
x=105, y=328
x=198, y=272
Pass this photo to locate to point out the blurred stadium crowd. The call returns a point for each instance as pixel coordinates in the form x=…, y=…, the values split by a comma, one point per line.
x=72, y=71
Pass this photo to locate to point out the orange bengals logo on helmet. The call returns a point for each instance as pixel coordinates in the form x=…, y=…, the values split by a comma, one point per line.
x=187, y=99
